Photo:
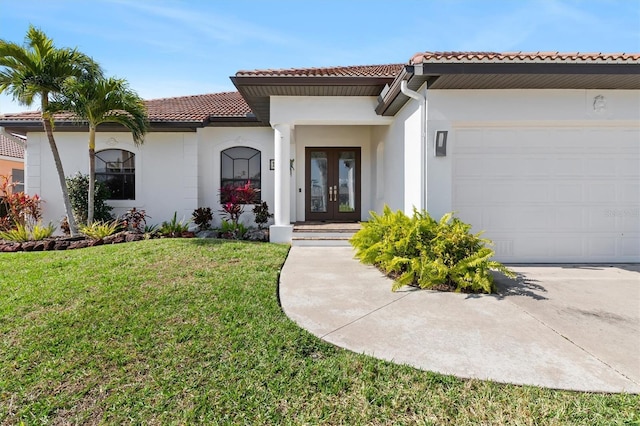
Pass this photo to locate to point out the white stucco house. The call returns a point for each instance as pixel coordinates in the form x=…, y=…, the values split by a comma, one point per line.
x=540, y=150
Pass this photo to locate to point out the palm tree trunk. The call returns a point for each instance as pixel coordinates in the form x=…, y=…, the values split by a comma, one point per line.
x=73, y=228
x=92, y=174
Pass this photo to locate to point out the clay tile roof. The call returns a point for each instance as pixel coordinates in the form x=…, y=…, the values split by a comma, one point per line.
x=10, y=148
x=389, y=70
x=197, y=107
x=510, y=57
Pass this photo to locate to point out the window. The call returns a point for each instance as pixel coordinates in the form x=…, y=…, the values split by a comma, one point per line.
x=116, y=168
x=239, y=165
x=17, y=177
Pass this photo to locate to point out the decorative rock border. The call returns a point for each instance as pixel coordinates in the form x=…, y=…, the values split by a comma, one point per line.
x=68, y=243
x=71, y=243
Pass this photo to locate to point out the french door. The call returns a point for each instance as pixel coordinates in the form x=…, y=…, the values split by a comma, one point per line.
x=332, y=184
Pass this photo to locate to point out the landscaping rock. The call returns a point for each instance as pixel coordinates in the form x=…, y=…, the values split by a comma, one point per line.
x=11, y=247
x=94, y=243
x=257, y=235
x=209, y=233
x=61, y=245
x=78, y=244
x=28, y=245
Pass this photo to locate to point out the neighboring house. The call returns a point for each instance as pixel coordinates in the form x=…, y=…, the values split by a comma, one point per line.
x=540, y=150
x=12, y=159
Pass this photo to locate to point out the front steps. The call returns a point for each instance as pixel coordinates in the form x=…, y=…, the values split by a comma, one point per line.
x=323, y=234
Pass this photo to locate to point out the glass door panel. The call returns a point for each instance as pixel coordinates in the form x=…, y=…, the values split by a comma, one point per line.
x=347, y=182
x=319, y=198
x=332, y=184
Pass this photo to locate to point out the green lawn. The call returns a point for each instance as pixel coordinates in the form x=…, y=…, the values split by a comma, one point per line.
x=186, y=331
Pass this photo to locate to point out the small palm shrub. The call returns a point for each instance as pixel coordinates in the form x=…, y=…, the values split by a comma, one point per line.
x=99, y=230
x=174, y=227
x=423, y=252
x=232, y=231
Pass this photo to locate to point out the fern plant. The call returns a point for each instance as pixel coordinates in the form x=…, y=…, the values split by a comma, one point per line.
x=421, y=251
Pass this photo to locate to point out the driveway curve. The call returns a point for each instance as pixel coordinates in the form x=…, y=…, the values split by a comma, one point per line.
x=574, y=327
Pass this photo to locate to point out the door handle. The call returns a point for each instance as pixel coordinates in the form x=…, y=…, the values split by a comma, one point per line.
x=335, y=193
x=330, y=193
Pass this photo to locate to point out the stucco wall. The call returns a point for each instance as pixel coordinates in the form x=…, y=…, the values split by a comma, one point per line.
x=7, y=165
x=166, y=171
x=212, y=141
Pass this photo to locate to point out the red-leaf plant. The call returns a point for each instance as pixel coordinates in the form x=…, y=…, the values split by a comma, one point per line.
x=18, y=208
x=234, y=198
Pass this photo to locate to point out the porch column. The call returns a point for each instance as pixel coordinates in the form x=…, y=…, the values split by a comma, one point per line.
x=282, y=231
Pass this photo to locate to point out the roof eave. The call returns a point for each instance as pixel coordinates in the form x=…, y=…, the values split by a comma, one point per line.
x=417, y=74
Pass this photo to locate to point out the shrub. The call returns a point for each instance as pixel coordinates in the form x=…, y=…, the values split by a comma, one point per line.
x=234, y=198
x=99, y=230
x=427, y=253
x=134, y=220
x=22, y=233
x=202, y=216
x=262, y=215
x=78, y=186
x=18, y=208
x=232, y=231
x=174, y=227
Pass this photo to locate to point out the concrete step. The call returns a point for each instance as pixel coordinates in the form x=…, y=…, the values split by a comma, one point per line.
x=323, y=235
x=320, y=241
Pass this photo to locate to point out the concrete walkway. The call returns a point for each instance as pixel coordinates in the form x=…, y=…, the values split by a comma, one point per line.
x=559, y=326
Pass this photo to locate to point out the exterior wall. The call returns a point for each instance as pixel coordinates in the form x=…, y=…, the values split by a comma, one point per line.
x=211, y=142
x=166, y=171
x=458, y=109
x=401, y=148
x=7, y=164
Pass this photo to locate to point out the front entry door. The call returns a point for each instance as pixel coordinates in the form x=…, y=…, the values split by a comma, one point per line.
x=332, y=184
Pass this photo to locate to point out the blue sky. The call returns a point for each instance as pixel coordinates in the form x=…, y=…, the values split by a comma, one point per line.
x=171, y=48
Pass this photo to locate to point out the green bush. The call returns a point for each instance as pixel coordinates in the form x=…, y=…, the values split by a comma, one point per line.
x=427, y=253
x=78, y=186
x=22, y=233
x=232, y=231
x=98, y=230
x=174, y=227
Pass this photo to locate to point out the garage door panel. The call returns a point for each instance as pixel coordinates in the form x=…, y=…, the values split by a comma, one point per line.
x=602, y=193
x=552, y=194
x=568, y=192
x=629, y=192
x=630, y=245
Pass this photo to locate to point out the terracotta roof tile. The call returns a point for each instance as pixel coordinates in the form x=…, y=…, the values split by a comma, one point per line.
x=10, y=148
x=577, y=57
x=389, y=70
x=196, y=108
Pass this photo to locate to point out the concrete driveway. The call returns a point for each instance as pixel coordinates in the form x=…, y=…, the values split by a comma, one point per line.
x=559, y=326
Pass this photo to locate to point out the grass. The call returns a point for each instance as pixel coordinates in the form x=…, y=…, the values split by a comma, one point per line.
x=184, y=331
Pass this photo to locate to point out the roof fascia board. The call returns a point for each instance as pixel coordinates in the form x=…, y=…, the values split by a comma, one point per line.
x=435, y=69
x=308, y=80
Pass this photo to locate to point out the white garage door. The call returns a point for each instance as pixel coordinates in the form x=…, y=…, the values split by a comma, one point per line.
x=551, y=195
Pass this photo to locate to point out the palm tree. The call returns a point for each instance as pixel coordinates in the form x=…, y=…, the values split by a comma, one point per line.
x=102, y=100
x=39, y=69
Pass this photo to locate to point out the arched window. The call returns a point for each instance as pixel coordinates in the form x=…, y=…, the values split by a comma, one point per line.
x=239, y=165
x=116, y=168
